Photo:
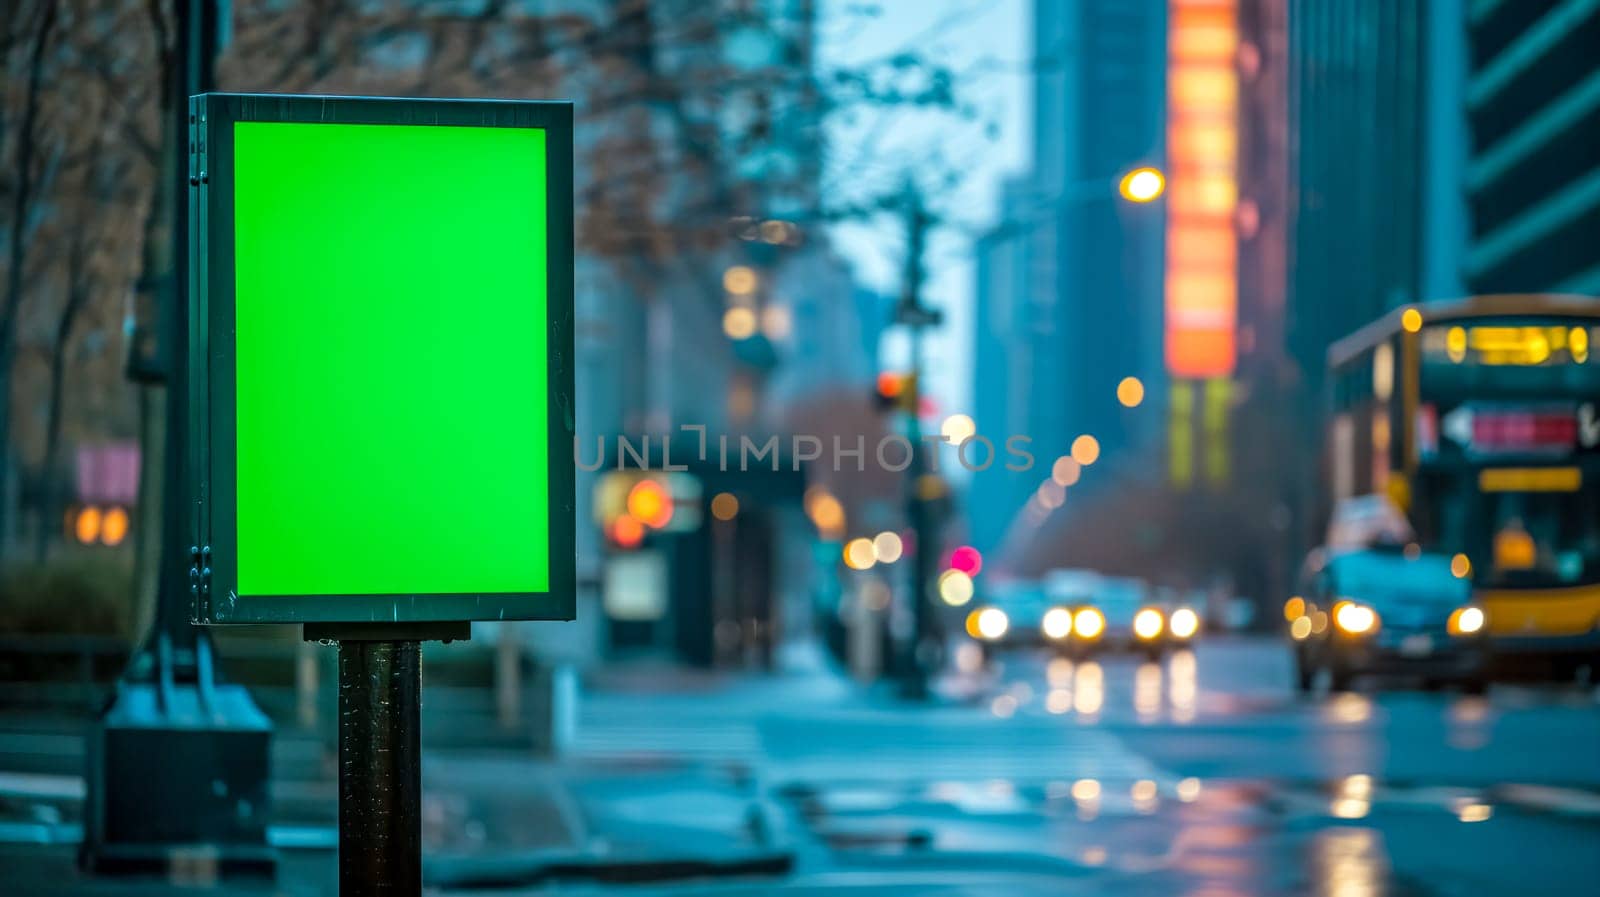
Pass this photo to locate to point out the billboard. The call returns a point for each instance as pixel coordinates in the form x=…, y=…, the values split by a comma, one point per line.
x=381, y=395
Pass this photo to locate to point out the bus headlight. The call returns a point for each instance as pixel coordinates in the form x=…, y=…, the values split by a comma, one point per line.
x=1355, y=619
x=988, y=623
x=1467, y=620
x=1088, y=623
x=1184, y=623
x=1147, y=623
x=1057, y=623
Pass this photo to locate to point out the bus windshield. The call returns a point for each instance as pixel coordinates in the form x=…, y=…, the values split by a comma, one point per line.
x=1523, y=539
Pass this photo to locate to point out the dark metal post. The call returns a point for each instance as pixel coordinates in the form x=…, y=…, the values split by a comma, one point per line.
x=380, y=768
x=178, y=762
x=914, y=315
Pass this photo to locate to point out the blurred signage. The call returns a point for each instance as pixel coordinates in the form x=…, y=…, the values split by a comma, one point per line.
x=382, y=346
x=1501, y=429
x=1530, y=479
x=108, y=474
x=636, y=586
x=1202, y=193
x=1528, y=345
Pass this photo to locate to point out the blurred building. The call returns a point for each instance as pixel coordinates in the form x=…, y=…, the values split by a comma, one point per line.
x=749, y=318
x=1373, y=208
x=1376, y=159
x=1069, y=281
x=1533, y=183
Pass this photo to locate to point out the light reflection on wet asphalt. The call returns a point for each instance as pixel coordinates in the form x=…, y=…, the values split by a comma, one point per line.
x=1344, y=795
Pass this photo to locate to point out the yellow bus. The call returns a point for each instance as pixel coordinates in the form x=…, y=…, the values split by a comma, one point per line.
x=1480, y=419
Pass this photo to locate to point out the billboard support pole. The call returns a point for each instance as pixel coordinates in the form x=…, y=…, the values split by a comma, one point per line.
x=380, y=752
x=380, y=768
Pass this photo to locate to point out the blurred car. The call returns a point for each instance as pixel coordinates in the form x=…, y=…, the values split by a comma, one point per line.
x=1119, y=613
x=1015, y=614
x=1386, y=610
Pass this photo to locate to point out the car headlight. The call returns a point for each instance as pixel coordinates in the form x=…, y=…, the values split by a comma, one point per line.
x=1184, y=623
x=1057, y=623
x=988, y=623
x=1467, y=620
x=1355, y=619
x=1147, y=623
x=1088, y=623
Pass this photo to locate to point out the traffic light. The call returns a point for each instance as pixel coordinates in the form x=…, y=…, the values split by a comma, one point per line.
x=895, y=391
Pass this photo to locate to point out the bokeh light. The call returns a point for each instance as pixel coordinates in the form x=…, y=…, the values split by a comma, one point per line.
x=776, y=322
x=114, y=526
x=955, y=588
x=740, y=280
x=967, y=560
x=1057, y=623
x=1142, y=185
x=859, y=554
x=627, y=531
x=825, y=511
x=1130, y=392
x=650, y=504
x=992, y=622
x=958, y=428
x=1085, y=450
x=739, y=323
x=1066, y=471
x=887, y=547
x=87, y=526
x=725, y=506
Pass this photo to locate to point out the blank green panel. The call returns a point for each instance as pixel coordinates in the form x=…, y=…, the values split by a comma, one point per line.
x=391, y=359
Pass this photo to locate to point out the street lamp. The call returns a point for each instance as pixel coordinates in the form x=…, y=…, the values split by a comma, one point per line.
x=1143, y=184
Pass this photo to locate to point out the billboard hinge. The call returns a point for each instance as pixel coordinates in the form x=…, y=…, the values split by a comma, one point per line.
x=200, y=577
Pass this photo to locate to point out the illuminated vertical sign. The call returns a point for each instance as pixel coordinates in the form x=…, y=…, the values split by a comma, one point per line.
x=1202, y=192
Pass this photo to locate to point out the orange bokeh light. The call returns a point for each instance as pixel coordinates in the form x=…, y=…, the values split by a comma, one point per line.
x=114, y=526
x=627, y=531
x=87, y=526
x=650, y=504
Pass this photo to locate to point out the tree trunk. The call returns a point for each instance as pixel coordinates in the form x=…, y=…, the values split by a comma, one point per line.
x=20, y=206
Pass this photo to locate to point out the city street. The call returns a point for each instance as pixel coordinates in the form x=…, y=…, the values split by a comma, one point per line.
x=1205, y=775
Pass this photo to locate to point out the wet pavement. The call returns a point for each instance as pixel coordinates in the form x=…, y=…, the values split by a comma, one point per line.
x=1203, y=775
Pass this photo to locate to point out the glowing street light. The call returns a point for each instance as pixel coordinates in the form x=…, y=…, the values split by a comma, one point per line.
x=1143, y=184
x=1130, y=392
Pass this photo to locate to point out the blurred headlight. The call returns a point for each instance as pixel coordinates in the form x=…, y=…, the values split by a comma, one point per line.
x=1147, y=623
x=1184, y=623
x=992, y=623
x=1356, y=619
x=1057, y=623
x=1467, y=620
x=1088, y=623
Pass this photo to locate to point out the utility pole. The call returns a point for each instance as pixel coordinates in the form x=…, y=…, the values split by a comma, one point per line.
x=177, y=762
x=922, y=649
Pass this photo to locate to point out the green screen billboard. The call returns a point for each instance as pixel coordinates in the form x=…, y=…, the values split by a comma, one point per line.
x=381, y=356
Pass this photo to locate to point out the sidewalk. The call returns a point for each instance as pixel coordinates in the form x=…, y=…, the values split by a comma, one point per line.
x=493, y=814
